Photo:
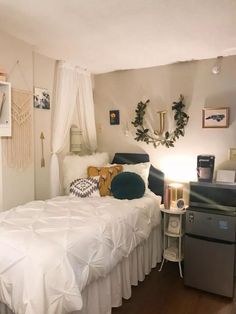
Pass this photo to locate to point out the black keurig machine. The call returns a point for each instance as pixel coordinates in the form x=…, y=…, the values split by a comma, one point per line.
x=205, y=167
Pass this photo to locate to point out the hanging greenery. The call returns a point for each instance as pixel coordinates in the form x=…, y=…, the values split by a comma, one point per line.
x=168, y=138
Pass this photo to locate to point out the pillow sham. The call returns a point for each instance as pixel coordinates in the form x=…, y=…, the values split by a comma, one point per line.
x=141, y=169
x=75, y=167
x=85, y=187
x=127, y=185
x=106, y=175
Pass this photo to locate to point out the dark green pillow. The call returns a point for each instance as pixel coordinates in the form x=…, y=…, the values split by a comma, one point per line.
x=127, y=185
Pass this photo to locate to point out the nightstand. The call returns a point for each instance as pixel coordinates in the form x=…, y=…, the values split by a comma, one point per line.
x=173, y=232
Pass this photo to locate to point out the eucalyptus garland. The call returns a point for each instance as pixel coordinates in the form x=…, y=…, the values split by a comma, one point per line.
x=168, y=138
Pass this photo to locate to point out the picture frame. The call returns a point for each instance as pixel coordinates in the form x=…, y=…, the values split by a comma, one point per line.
x=174, y=224
x=215, y=117
x=41, y=98
x=114, y=117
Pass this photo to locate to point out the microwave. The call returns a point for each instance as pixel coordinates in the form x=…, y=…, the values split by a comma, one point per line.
x=215, y=195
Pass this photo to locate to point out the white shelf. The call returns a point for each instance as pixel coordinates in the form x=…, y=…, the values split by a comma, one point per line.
x=167, y=256
x=174, y=211
x=5, y=108
x=174, y=235
x=176, y=260
x=173, y=230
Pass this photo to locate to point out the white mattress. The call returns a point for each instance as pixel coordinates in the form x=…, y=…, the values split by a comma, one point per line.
x=51, y=251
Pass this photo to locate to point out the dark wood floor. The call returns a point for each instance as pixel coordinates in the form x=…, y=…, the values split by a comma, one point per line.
x=164, y=293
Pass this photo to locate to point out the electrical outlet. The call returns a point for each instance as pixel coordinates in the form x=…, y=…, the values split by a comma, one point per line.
x=232, y=154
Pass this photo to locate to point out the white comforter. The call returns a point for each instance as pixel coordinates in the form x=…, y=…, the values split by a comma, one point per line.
x=49, y=251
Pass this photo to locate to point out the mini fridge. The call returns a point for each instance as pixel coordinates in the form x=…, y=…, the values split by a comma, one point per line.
x=210, y=250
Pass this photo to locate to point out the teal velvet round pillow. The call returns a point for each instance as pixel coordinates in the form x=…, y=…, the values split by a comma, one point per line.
x=127, y=185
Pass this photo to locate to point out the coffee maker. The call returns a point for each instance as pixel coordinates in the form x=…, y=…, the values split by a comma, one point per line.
x=205, y=167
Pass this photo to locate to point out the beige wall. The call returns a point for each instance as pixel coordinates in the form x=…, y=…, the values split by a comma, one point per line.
x=17, y=185
x=20, y=186
x=122, y=90
x=44, y=70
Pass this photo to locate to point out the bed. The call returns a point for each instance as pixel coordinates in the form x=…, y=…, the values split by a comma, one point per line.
x=70, y=255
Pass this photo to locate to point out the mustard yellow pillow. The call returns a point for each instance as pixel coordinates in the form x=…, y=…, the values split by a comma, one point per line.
x=106, y=175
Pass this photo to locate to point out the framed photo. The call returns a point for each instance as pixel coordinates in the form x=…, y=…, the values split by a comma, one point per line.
x=174, y=224
x=215, y=118
x=114, y=117
x=41, y=98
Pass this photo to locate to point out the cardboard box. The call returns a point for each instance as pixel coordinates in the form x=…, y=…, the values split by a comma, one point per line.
x=225, y=176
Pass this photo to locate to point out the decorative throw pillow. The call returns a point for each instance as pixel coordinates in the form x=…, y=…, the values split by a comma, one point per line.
x=85, y=187
x=127, y=185
x=106, y=175
x=141, y=169
x=75, y=166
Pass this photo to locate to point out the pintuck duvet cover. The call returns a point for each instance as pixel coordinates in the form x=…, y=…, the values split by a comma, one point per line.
x=50, y=250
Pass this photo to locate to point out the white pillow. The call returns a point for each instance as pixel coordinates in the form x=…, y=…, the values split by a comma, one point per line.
x=141, y=169
x=85, y=187
x=75, y=167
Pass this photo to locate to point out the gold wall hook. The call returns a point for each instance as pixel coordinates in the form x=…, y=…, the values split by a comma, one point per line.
x=42, y=137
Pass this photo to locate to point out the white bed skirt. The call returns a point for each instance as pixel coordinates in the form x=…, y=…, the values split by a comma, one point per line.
x=103, y=294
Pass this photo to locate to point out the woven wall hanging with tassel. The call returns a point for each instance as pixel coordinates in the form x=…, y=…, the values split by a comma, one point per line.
x=18, y=148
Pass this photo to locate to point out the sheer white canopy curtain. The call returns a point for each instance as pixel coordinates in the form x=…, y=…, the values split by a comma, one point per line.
x=86, y=114
x=72, y=88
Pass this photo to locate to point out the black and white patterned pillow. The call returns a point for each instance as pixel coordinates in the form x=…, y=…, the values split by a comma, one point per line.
x=85, y=187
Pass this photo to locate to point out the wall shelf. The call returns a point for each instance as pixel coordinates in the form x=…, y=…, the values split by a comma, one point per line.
x=5, y=108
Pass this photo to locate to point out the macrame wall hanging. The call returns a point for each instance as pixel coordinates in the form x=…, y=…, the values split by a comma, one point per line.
x=17, y=149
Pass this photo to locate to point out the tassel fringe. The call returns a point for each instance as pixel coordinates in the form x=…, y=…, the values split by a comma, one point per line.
x=18, y=148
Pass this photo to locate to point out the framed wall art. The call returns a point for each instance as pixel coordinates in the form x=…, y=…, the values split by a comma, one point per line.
x=41, y=98
x=114, y=117
x=215, y=117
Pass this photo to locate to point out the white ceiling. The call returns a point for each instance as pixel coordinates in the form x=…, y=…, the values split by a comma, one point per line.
x=107, y=35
